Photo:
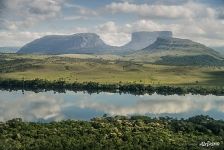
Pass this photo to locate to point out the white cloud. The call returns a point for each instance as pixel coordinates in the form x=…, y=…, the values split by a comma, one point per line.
x=115, y=39
x=81, y=10
x=20, y=14
x=108, y=27
x=205, y=31
x=186, y=19
x=70, y=18
x=196, y=21
x=20, y=38
x=111, y=34
x=188, y=10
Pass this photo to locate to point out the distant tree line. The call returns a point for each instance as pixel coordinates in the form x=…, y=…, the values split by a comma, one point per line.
x=39, y=85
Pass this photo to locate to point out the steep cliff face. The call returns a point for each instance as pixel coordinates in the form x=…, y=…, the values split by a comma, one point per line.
x=143, y=39
x=89, y=43
x=63, y=44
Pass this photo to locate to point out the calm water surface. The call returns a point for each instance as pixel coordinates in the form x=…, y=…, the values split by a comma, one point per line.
x=50, y=106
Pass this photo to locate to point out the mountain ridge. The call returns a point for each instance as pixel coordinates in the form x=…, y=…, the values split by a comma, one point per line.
x=142, y=39
x=63, y=44
x=163, y=44
x=162, y=48
x=88, y=43
x=176, y=51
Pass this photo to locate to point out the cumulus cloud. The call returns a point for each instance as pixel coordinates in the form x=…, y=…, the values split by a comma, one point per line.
x=205, y=31
x=111, y=34
x=19, y=38
x=81, y=10
x=26, y=13
x=186, y=19
x=193, y=19
x=188, y=10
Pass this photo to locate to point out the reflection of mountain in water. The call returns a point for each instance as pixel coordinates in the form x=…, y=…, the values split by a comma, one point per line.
x=49, y=106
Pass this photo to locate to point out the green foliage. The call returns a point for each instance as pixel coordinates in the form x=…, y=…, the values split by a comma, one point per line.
x=61, y=85
x=119, y=132
x=197, y=60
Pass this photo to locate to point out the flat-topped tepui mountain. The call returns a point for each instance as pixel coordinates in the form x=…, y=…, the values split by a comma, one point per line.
x=89, y=43
x=157, y=47
x=142, y=39
x=81, y=43
x=177, y=51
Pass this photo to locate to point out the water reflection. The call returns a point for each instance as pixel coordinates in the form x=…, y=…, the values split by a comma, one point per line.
x=49, y=106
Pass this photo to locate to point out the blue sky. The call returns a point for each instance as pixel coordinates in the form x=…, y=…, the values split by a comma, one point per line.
x=22, y=21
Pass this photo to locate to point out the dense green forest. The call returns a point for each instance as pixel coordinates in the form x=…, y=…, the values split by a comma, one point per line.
x=39, y=85
x=119, y=132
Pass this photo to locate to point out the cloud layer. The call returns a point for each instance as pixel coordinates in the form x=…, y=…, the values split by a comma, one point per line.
x=21, y=21
x=21, y=14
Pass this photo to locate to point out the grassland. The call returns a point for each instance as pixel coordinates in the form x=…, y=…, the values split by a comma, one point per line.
x=106, y=69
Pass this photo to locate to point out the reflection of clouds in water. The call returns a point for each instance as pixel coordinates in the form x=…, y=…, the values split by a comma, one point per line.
x=31, y=106
x=158, y=104
x=48, y=106
x=141, y=107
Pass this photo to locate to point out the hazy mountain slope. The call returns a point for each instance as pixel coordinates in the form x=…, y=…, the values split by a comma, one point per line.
x=9, y=49
x=182, y=45
x=219, y=49
x=142, y=39
x=89, y=43
x=67, y=44
x=161, y=49
x=177, y=51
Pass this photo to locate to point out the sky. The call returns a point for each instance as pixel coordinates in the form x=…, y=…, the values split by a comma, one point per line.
x=22, y=21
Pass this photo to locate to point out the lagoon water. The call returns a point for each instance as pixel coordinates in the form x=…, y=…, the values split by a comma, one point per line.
x=50, y=106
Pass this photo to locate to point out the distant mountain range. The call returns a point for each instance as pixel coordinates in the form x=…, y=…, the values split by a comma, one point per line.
x=178, y=51
x=89, y=43
x=81, y=43
x=155, y=47
x=9, y=49
x=219, y=49
x=142, y=39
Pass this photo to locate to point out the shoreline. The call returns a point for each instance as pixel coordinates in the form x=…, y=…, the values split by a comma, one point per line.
x=39, y=85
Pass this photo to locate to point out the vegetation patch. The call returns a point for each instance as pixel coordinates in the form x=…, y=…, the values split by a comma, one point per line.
x=39, y=85
x=198, y=60
x=119, y=132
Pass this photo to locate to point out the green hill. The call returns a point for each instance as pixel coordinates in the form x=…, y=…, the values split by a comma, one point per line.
x=177, y=51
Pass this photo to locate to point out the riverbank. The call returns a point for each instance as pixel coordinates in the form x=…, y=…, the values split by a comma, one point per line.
x=39, y=85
